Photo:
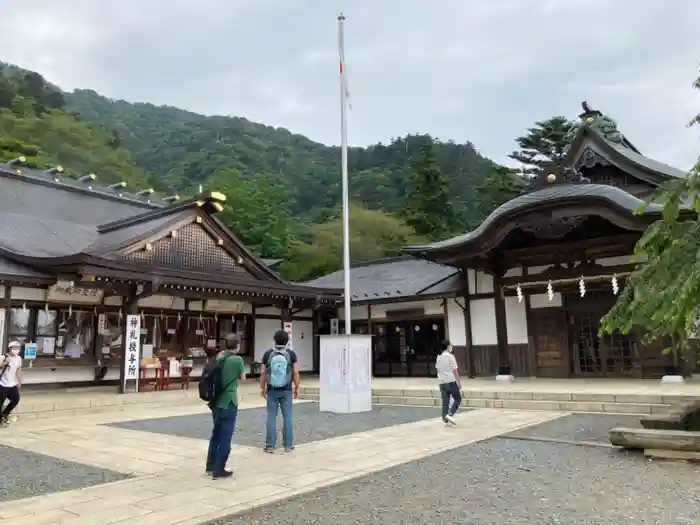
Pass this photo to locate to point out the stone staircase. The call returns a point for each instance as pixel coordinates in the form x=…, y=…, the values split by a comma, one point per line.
x=636, y=404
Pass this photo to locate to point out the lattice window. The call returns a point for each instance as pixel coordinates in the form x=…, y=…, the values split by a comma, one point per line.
x=191, y=249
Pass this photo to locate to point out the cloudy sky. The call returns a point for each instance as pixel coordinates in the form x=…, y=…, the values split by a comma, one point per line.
x=466, y=70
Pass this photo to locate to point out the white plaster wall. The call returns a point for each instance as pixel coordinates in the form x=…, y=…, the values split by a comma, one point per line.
x=432, y=307
x=113, y=300
x=483, y=319
x=534, y=270
x=479, y=282
x=28, y=294
x=269, y=311
x=516, y=321
x=307, y=314
x=302, y=344
x=514, y=272
x=264, y=332
x=357, y=313
x=542, y=300
x=614, y=261
x=166, y=302
x=456, y=330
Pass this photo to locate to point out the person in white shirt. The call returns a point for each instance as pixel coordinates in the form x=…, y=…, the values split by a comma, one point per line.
x=10, y=381
x=450, y=385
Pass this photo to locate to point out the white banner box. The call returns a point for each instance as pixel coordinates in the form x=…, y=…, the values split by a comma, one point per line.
x=346, y=373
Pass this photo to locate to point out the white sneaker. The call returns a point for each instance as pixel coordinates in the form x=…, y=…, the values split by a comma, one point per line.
x=450, y=419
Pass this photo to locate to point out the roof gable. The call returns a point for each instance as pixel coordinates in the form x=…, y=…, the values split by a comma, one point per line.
x=598, y=135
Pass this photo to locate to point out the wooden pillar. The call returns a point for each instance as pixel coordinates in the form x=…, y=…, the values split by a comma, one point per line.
x=501, y=330
x=531, y=333
x=131, y=307
x=468, y=327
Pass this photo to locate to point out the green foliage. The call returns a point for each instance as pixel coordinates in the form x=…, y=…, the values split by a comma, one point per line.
x=544, y=145
x=661, y=296
x=428, y=205
x=256, y=211
x=33, y=124
x=501, y=185
x=373, y=235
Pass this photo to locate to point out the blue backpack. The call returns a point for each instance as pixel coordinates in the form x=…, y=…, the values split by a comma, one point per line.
x=279, y=368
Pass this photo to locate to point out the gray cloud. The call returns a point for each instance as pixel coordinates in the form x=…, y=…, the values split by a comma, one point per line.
x=478, y=70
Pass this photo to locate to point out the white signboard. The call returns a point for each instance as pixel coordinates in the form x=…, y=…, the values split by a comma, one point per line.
x=346, y=373
x=132, y=347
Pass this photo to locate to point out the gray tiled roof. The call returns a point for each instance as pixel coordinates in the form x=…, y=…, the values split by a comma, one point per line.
x=8, y=267
x=552, y=194
x=647, y=163
x=391, y=278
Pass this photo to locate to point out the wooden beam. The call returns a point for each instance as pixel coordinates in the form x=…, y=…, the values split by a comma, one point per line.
x=574, y=273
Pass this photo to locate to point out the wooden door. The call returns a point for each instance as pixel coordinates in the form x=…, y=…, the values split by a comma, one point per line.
x=550, y=329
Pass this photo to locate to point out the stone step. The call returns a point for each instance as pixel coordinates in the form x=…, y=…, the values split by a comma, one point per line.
x=651, y=399
x=564, y=402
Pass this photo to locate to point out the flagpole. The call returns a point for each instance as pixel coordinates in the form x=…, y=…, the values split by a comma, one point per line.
x=344, y=174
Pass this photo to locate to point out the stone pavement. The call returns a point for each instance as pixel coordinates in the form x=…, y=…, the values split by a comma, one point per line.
x=160, y=478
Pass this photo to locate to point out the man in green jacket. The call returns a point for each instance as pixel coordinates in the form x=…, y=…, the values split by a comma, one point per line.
x=225, y=409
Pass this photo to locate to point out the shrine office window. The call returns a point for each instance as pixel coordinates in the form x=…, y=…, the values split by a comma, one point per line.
x=38, y=325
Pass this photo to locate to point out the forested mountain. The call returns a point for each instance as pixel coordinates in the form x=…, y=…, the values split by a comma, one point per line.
x=33, y=124
x=181, y=148
x=283, y=189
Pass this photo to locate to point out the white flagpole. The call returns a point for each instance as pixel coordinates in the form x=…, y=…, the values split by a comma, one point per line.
x=344, y=174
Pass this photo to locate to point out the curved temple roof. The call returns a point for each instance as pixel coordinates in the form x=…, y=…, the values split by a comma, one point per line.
x=548, y=197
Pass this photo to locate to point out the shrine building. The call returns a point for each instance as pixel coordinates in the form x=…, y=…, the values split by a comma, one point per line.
x=76, y=259
x=523, y=294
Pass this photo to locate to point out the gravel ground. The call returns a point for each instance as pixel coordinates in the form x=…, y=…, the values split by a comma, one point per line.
x=309, y=423
x=24, y=474
x=503, y=482
x=579, y=427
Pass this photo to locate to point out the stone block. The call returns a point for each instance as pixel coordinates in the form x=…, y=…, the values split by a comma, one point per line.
x=642, y=439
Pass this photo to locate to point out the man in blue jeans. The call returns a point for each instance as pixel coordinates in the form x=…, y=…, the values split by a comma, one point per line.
x=225, y=409
x=279, y=381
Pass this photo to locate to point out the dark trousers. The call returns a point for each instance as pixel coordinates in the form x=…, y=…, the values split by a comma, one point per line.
x=221, y=436
x=11, y=393
x=450, y=391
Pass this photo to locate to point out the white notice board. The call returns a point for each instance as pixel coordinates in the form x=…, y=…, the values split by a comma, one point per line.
x=346, y=373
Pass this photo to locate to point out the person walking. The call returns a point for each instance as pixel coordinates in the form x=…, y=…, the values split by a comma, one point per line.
x=10, y=381
x=450, y=385
x=225, y=408
x=279, y=382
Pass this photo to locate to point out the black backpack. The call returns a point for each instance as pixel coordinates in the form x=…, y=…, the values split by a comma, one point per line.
x=210, y=384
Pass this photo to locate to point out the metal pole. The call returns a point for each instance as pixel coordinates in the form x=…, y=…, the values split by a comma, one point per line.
x=344, y=174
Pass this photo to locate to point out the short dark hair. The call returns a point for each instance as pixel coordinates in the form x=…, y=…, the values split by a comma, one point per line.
x=281, y=338
x=232, y=341
x=445, y=344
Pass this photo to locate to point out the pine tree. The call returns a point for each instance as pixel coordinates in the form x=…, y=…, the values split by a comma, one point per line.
x=428, y=207
x=544, y=145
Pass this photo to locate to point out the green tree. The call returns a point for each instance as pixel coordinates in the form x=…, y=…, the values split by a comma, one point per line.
x=501, y=185
x=373, y=235
x=428, y=205
x=256, y=211
x=543, y=146
x=661, y=296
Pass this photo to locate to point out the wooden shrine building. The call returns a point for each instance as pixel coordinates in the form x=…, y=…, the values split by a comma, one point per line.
x=76, y=258
x=509, y=294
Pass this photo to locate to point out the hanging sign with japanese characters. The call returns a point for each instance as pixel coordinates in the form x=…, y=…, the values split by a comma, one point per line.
x=132, y=348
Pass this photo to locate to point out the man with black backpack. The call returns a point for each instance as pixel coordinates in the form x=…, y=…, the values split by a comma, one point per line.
x=279, y=381
x=218, y=386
